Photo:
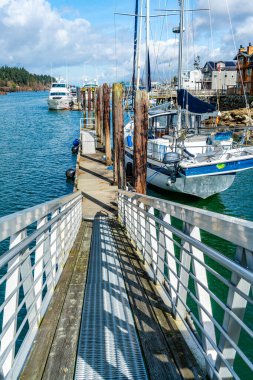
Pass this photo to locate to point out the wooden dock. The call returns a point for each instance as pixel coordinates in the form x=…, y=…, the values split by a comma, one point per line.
x=95, y=180
x=55, y=350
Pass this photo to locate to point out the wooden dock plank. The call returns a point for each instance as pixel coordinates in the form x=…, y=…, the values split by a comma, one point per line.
x=95, y=181
x=62, y=357
x=166, y=353
x=69, y=286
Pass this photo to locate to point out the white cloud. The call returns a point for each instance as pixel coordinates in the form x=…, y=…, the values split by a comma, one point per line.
x=37, y=36
x=231, y=22
x=34, y=35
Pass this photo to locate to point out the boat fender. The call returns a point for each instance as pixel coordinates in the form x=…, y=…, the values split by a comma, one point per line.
x=76, y=142
x=189, y=153
x=129, y=141
x=70, y=173
x=74, y=149
x=129, y=169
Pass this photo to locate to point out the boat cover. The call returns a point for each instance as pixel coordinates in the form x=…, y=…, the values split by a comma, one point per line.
x=194, y=105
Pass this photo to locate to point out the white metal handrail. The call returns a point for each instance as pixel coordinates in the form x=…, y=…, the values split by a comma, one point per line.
x=207, y=290
x=36, y=244
x=87, y=123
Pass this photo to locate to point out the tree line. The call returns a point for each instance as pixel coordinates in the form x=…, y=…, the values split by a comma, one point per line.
x=16, y=76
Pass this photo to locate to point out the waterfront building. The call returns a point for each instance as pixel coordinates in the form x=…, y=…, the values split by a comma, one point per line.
x=244, y=68
x=220, y=75
x=192, y=80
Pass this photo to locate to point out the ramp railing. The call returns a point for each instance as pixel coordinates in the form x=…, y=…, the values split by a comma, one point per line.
x=202, y=263
x=35, y=244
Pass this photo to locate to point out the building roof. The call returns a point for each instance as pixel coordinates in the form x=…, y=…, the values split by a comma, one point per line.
x=229, y=65
x=244, y=54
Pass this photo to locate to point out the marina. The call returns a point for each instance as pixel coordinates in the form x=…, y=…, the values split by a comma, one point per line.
x=126, y=215
x=120, y=225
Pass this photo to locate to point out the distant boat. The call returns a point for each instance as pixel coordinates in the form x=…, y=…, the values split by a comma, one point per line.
x=60, y=96
x=89, y=84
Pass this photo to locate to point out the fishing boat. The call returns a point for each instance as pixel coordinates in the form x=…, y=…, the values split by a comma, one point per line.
x=181, y=156
x=60, y=96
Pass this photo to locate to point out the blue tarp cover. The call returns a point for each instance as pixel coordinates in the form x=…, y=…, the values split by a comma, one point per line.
x=194, y=104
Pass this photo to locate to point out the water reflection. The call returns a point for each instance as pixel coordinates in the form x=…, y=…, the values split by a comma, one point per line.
x=214, y=203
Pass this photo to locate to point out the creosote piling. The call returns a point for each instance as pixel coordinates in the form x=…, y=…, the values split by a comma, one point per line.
x=100, y=100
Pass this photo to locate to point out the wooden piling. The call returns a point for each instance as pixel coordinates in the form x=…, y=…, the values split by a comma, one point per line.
x=93, y=99
x=115, y=133
x=140, y=141
x=118, y=132
x=101, y=115
x=84, y=101
x=98, y=113
x=106, y=123
x=89, y=99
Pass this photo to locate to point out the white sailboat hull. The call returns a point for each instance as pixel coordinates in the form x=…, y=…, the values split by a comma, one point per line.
x=202, y=187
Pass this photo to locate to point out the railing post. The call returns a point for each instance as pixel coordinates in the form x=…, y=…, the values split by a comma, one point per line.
x=166, y=240
x=128, y=214
x=48, y=266
x=140, y=229
x=12, y=286
x=29, y=291
x=185, y=260
x=203, y=296
x=63, y=239
x=135, y=220
x=237, y=304
x=54, y=246
x=151, y=241
x=38, y=266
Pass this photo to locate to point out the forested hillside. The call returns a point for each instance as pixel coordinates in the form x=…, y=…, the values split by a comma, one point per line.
x=16, y=76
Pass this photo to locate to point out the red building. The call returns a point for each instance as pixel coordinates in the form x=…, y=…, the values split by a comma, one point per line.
x=244, y=68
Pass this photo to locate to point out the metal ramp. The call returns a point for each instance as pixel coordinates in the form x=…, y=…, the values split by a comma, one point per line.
x=108, y=344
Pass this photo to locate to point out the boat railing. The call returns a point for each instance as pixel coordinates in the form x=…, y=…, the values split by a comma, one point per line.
x=202, y=264
x=158, y=150
x=35, y=244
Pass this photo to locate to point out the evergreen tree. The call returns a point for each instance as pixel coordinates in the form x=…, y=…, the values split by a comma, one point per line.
x=21, y=77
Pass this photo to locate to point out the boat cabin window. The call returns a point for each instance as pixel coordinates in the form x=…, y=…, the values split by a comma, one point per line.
x=62, y=85
x=57, y=93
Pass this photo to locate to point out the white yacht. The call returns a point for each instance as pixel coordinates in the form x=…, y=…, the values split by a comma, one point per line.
x=60, y=97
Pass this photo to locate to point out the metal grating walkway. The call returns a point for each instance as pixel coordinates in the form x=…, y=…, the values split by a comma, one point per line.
x=108, y=344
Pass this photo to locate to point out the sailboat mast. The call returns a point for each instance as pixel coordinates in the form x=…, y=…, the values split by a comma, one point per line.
x=147, y=47
x=180, y=54
x=135, y=42
x=139, y=50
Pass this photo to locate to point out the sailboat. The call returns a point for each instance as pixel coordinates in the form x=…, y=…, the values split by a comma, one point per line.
x=181, y=158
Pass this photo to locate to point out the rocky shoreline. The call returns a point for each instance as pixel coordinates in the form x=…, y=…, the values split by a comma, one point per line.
x=6, y=90
x=239, y=117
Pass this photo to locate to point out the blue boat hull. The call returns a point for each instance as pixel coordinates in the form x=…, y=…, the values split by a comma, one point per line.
x=220, y=168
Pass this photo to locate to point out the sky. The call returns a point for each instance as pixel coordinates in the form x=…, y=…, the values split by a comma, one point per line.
x=83, y=39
